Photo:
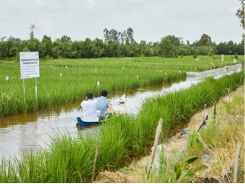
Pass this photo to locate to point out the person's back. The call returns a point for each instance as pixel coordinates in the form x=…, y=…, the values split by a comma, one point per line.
x=104, y=104
x=89, y=109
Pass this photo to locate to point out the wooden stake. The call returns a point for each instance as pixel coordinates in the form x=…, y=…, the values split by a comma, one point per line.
x=215, y=110
x=158, y=132
x=236, y=162
x=94, y=165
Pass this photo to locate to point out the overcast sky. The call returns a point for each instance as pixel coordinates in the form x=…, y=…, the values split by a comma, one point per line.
x=150, y=20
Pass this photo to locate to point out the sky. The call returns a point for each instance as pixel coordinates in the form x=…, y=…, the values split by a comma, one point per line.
x=151, y=20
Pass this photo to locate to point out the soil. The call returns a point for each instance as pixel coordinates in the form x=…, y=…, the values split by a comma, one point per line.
x=136, y=171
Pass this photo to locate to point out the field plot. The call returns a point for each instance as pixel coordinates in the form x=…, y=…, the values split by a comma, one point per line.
x=121, y=140
x=68, y=80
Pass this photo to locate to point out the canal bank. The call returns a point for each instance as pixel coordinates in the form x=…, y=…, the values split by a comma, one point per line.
x=70, y=160
x=176, y=147
x=28, y=132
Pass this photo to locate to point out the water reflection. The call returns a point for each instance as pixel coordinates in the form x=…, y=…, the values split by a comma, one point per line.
x=134, y=102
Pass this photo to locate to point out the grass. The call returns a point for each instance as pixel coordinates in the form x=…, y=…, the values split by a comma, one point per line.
x=220, y=138
x=68, y=80
x=69, y=159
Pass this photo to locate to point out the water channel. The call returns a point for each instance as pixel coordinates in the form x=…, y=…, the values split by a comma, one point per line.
x=26, y=132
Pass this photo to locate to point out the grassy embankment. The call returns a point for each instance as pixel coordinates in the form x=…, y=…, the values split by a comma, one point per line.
x=71, y=160
x=218, y=148
x=68, y=80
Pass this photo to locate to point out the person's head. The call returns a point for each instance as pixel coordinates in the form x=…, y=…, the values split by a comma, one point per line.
x=104, y=93
x=90, y=95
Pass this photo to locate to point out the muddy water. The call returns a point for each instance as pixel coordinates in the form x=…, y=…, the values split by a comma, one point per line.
x=26, y=132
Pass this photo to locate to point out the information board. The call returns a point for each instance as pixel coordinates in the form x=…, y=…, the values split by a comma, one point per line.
x=29, y=65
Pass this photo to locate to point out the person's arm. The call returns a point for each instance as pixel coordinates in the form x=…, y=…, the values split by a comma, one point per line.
x=82, y=103
x=111, y=109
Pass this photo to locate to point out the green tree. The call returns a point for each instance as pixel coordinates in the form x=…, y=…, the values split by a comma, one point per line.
x=65, y=38
x=169, y=46
x=33, y=44
x=56, y=49
x=46, y=47
x=114, y=35
x=14, y=39
x=240, y=13
x=142, y=47
x=205, y=40
x=130, y=35
x=106, y=35
x=111, y=35
x=123, y=37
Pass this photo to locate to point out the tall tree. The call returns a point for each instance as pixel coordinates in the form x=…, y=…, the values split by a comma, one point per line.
x=106, y=35
x=205, y=40
x=166, y=46
x=130, y=35
x=123, y=37
x=114, y=35
x=32, y=35
x=65, y=39
x=240, y=13
x=46, y=48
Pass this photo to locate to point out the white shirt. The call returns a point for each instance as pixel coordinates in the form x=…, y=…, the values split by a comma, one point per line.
x=89, y=110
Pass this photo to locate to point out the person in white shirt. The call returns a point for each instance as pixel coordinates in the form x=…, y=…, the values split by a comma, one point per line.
x=89, y=108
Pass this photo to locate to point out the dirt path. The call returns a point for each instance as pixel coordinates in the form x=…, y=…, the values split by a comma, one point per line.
x=136, y=172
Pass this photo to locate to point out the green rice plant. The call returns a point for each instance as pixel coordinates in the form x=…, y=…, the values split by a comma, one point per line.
x=68, y=159
x=179, y=106
x=111, y=143
x=31, y=168
x=65, y=160
x=8, y=172
x=68, y=80
x=125, y=123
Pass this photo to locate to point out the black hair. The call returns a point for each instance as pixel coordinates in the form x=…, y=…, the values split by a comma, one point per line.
x=90, y=95
x=104, y=93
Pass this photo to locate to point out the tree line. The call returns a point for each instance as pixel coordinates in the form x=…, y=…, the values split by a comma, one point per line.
x=116, y=44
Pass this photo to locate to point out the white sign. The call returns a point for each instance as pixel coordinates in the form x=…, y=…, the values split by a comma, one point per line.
x=29, y=65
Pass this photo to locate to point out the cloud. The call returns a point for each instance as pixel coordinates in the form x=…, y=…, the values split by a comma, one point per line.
x=45, y=24
x=150, y=20
x=92, y=4
x=39, y=2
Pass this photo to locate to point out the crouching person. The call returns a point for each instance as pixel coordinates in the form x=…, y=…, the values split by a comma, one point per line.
x=104, y=106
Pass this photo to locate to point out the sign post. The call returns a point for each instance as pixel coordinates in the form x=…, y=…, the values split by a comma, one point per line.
x=29, y=68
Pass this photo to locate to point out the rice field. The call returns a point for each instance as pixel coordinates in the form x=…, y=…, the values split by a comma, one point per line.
x=68, y=80
x=71, y=160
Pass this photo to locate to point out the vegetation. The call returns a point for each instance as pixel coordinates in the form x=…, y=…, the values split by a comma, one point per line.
x=68, y=80
x=70, y=159
x=115, y=44
x=214, y=149
x=240, y=13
